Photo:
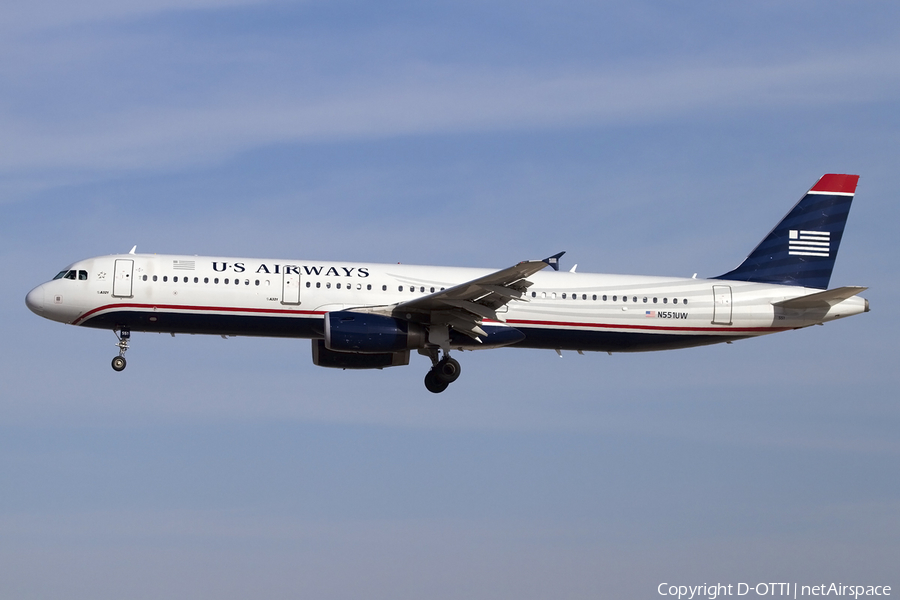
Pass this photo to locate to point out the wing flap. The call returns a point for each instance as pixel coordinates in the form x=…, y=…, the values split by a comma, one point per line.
x=476, y=309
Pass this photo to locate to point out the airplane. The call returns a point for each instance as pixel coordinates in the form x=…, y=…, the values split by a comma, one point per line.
x=371, y=316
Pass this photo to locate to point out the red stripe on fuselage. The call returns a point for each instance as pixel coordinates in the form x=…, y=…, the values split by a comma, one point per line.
x=287, y=311
x=650, y=327
x=273, y=311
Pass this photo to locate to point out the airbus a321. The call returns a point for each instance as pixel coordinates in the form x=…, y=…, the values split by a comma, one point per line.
x=371, y=316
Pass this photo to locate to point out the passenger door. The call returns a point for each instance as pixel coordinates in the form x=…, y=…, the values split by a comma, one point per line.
x=124, y=271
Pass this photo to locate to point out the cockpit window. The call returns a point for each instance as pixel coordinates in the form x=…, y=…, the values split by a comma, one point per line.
x=72, y=274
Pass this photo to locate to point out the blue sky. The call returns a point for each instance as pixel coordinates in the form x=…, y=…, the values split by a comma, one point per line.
x=651, y=138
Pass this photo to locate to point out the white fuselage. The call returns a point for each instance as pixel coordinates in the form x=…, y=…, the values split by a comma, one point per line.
x=289, y=298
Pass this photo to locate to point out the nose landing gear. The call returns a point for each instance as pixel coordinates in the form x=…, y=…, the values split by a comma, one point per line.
x=443, y=372
x=118, y=363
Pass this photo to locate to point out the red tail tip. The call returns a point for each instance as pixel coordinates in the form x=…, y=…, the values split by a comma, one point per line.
x=839, y=184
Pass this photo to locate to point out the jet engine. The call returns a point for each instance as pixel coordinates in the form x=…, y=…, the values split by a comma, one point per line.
x=323, y=357
x=366, y=333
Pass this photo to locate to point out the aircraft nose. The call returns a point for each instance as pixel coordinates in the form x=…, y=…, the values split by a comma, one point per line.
x=35, y=300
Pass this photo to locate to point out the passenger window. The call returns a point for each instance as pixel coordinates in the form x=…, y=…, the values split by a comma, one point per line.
x=226, y=281
x=399, y=288
x=318, y=284
x=584, y=297
x=257, y=282
x=432, y=290
x=624, y=298
x=337, y=286
x=328, y=285
x=144, y=278
x=553, y=295
x=654, y=300
x=645, y=299
x=196, y=280
x=684, y=301
x=308, y=284
x=216, y=280
x=154, y=278
x=246, y=282
x=384, y=288
x=674, y=300
x=369, y=286
x=634, y=298
x=165, y=278
x=564, y=296
x=175, y=279
x=206, y=280
x=665, y=300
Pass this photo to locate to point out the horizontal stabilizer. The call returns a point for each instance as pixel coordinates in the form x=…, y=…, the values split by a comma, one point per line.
x=822, y=299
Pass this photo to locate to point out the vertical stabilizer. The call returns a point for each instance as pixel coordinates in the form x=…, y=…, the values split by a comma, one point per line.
x=802, y=248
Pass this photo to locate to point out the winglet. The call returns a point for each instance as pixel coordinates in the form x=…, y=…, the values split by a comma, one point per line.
x=553, y=261
x=132, y=251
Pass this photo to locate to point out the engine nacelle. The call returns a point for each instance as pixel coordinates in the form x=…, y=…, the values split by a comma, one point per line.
x=323, y=357
x=347, y=331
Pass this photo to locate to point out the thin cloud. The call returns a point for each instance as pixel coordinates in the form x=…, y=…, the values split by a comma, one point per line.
x=433, y=101
x=29, y=17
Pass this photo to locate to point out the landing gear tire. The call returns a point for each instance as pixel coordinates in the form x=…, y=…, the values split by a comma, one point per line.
x=447, y=370
x=118, y=363
x=433, y=384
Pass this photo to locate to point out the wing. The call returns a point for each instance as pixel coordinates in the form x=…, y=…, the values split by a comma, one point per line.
x=464, y=307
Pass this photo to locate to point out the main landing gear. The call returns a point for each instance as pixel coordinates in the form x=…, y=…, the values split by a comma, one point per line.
x=443, y=372
x=118, y=363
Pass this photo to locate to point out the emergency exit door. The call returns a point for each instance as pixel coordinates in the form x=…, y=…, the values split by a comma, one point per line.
x=290, y=288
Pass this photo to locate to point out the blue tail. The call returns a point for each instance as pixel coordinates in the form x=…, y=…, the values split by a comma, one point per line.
x=802, y=248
